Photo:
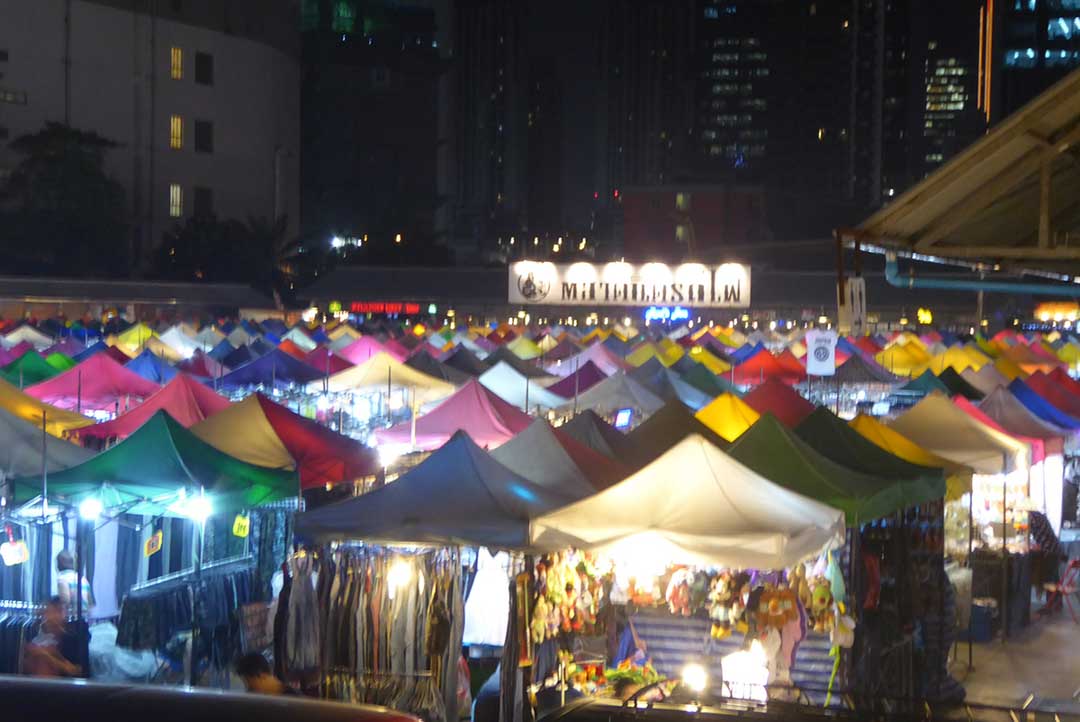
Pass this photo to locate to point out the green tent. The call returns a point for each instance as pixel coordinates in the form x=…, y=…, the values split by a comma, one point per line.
x=835, y=440
x=149, y=468
x=776, y=453
x=665, y=428
x=957, y=384
x=27, y=370
x=60, y=362
x=705, y=380
x=926, y=384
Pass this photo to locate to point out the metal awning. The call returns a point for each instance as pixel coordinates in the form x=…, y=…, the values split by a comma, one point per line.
x=1011, y=198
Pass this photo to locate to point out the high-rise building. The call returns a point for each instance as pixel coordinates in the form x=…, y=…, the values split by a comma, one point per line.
x=1032, y=45
x=201, y=97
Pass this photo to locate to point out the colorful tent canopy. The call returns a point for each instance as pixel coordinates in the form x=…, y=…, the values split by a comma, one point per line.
x=763, y=366
x=31, y=410
x=1041, y=407
x=186, y=400
x=938, y=426
x=958, y=476
x=100, y=347
x=729, y=416
x=957, y=384
x=67, y=346
x=488, y=419
x=859, y=370
x=619, y=391
x=363, y=349
x=425, y=363
x=275, y=368
x=261, y=432
x=183, y=344
x=152, y=368
x=21, y=448
x=713, y=362
x=523, y=392
x=663, y=430
x=239, y=356
x=465, y=361
x=524, y=348
x=97, y=383
x=605, y=359
x=720, y=513
x=383, y=371
x=299, y=338
x=202, y=365
x=28, y=369
x=458, y=495
x=587, y=376
x=161, y=458
x=781, y=401
x=564, y=349
x=293, y=350
x=925, y=383
x=834, y=439
x=60, y=361
x=1037, y=445
x=26, y=334
x=524, y=368
x=592, y=431
x=985, y=379
x=668, y=385
x=221, y=351
x=781, y=456
x=1055, y=393
x=326, y=361
x=553, y=460
x=706, y=381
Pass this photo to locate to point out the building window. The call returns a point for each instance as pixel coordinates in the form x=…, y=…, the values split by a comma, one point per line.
x=15, y=97
x=204, y=136
x=682, y=201
x=176, y=200
x=176, y=132
x=344, y=20
x=204, y=68
x=202, y=202
x=176, y=63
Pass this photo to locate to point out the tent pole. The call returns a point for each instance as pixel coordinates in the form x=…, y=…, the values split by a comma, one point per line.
x=412, y=429
x=577, y=365
x=1004, y=564
x=44, y=467
x=971, y=550
x=78, y=568
x=526, y=394
x=78, y=392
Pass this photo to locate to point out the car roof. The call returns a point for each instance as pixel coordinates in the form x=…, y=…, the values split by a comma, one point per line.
x=23, y=698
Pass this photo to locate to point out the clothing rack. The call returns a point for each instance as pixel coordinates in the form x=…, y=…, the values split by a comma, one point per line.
x=183, y=574
x=28, y=607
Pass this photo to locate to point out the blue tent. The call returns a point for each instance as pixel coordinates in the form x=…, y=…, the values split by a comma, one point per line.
x=220, y=352
x=616, y=344
x=90, y=350
x=1041, y=407
x=276, y=368
x=238, y=357
x=275, y=326
x=151, y=367
x=745, y=351
x=260, y=347
x=319, y=336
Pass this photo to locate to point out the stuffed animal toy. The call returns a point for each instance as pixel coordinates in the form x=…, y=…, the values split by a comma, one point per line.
x=678, y=592
x=721, y=602
x=822, y=605
x=777, y=607
x=538, y=627
x=799, y=584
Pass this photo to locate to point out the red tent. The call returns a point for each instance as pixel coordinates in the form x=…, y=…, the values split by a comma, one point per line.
x=781, y=400
x=763, y=366
x=1055, y=393
x=866, y=345
x=791, y=362
x=98, y=383
x=398, y=349
x=186, y=400
x=363, y=349
x=485, y=417
x=1062, y=378
x=289, y=347
x=202, y=364
x=325, y=360
x=587, y=376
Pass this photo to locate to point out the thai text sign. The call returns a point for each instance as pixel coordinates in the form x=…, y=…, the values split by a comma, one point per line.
x=623, y=284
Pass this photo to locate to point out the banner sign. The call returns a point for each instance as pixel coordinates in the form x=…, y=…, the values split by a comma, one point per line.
x=153, y=544
x=241, y=526
x=694, y=285
x=851, y=306
x=821, y=352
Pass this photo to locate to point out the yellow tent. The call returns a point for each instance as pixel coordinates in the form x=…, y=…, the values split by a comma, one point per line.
x=597, y=334
x=547, y=343
x=136, y=336
x=978, y=358
x=903, y=359
x=343, y=329
x=1009, y=369
x=27, y=408
x=646, y=351
x=709, y=360
x=798, y=348
x=383, y=371
x=1069, y=353
x=958, y=476
x=907, y=338
x=987, y=347
x=728, y=415
x=159, y=348
x=524, y=348
x=957, y=358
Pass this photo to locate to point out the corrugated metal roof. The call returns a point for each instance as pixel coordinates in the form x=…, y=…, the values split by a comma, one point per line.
x=32, y=289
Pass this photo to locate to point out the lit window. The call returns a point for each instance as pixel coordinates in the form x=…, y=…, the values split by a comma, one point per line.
x=682, y=201
x=176, y=200
x=176, y=132
x=176, y=65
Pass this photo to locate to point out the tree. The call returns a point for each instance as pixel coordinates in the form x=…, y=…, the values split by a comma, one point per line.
x=64, y=214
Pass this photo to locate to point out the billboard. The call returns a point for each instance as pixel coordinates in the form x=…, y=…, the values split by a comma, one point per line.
x=696, y=285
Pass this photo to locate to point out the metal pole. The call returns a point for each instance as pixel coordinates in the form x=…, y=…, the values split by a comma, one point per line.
x=78, y=568
x=78, y=392
x=44, y=467
x=577, y=382
x=1004, y=564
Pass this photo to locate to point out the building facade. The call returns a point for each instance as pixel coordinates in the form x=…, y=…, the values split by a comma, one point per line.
x=202, y=98
x=1034, y=44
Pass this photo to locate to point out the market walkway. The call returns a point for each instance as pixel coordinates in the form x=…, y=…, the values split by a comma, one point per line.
x=1036, y=662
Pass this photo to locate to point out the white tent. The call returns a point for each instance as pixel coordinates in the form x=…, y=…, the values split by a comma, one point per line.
x=547, y=458
x=239, y=337
x=618, y=391
x=208, y=338
x=300, y=338
x=31, y=335
x=696, y=505
x=512, y=386
x=178, y=341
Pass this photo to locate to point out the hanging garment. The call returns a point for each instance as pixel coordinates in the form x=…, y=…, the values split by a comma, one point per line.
x=488, y=606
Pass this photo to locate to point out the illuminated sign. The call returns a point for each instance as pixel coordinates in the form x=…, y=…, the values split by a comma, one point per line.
x=924, y=316
x=624, y=284
x=623, y=417
x=666, y=313
x=409, y=309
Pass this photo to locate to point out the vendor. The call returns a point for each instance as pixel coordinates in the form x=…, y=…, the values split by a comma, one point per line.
x=67, y=581
x=43, y=656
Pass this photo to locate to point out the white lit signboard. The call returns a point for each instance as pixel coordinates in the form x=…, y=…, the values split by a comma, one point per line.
x=623, y=284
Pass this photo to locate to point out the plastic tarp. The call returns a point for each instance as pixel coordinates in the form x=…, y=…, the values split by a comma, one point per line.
x=161, y=458
x=152, y=368
x=21, y=452
x=523, y=392
x=383, y=371
x=549, y=458
x=97, y=383
x=729, y=416
x=605, y=359
x=28, y=369
x=780, y=400
x=834, y=439
x=664, y=429
x=425, y=363
x=276, y=368
x=186, y=400
x=488, y=419
x=458, y=495
x=780, y=455
x=261, y=432
x=719, y=514
x=668, y=385
x=589, y=429
x=940, y=427
x=1041, y=407
x=581, y=380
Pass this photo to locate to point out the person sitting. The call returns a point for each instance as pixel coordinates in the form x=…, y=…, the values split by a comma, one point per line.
x=43, y=656
x=255, y=672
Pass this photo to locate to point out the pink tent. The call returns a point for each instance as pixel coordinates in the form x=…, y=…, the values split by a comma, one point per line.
x=186, y=400
x=362, y=349
x=327, y=361
x=18, y=350
x=397, y=349
x=202, y=364
x=604, y=358
x=1038, y=446
x=485, y=417
x=584, y=378
x=98, y=383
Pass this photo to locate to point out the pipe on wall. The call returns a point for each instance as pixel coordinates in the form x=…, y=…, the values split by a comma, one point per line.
x=893, y=278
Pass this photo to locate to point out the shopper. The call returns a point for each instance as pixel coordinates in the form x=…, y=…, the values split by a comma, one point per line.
x=67, y=581
x=254, y=670
x=43, y=656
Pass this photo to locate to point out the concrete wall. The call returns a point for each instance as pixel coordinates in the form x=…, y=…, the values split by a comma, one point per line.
x=105, y=67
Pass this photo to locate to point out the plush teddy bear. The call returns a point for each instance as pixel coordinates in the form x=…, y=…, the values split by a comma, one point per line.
x=678, y=592
x=800, y=585
x=722, y=598
x=822, y=605
x=538, y=627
